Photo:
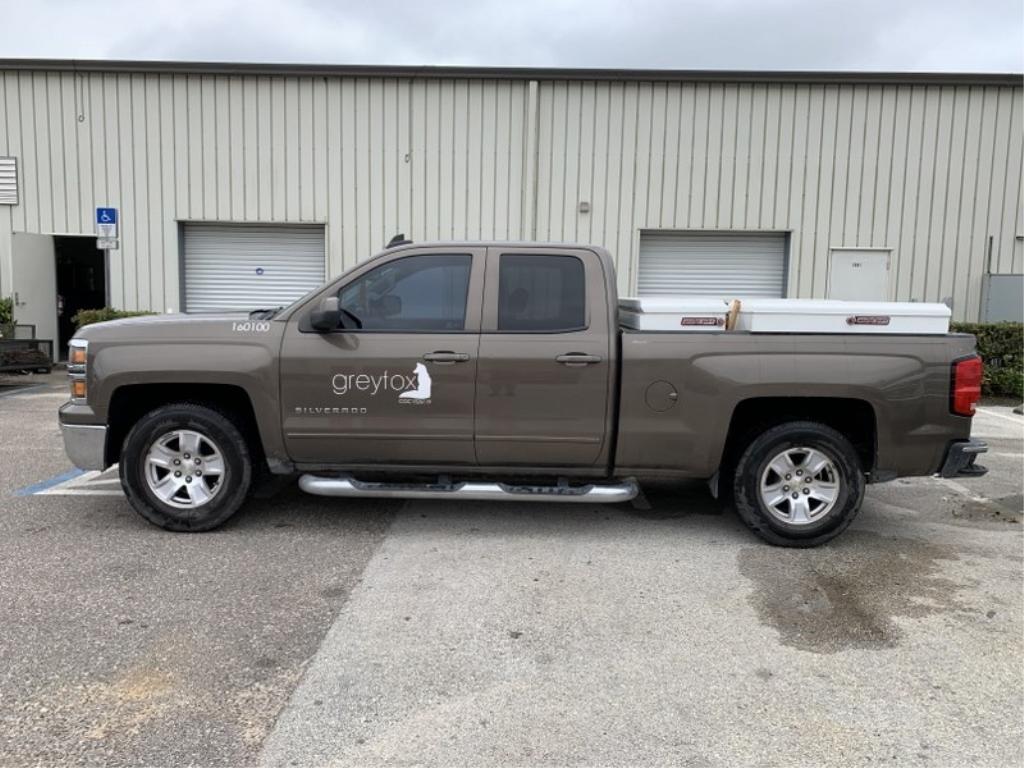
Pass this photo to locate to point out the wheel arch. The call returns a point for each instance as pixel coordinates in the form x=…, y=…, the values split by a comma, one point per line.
x=131, y=402
x=853, y=418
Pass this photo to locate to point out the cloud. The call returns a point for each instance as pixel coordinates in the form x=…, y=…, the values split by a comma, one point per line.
x=948, y=35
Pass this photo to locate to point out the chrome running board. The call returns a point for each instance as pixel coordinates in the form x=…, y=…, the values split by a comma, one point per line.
x=345, y=485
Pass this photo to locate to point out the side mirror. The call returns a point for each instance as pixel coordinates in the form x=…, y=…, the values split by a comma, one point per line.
x=328, y=316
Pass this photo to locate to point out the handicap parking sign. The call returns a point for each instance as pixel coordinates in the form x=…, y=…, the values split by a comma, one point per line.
x=106, y=224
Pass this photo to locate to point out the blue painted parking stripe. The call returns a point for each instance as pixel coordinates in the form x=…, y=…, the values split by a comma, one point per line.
x=43, y=485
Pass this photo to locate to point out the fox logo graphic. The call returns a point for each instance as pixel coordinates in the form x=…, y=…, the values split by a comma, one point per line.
x=421, y=394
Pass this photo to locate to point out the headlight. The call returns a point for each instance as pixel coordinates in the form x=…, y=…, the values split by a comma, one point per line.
x=78, y=358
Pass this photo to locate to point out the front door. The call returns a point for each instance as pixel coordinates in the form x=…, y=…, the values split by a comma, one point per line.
x=545, y=360
x=399, y=389
x=35, y=284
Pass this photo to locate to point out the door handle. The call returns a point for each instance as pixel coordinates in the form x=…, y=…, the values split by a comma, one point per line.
x=446, y=357
x=577, y=358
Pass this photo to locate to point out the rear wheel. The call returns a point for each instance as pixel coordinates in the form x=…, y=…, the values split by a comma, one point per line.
x=798, y=484
x=185, y=467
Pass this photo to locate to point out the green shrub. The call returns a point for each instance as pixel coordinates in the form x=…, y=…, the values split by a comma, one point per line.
x=6, y=318
x=89, y=316
x=1001, y=346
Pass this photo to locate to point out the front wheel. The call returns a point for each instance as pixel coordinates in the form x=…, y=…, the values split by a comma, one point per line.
x=185, y=467
x=798, y=484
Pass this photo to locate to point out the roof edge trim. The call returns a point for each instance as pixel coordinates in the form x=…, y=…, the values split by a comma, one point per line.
x=514, y=73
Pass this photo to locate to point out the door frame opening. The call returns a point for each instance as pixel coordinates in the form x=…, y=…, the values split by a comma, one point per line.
x=82, y=282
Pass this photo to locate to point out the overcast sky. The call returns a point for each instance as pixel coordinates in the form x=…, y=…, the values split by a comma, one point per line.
x=944, y=35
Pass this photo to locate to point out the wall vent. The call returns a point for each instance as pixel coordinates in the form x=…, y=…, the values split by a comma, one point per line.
x=8, y=181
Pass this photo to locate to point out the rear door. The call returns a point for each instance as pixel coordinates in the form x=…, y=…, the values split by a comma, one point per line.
x=400, y=389
x=543, y=378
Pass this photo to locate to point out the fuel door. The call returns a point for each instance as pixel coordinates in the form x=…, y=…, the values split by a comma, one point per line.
x=661, y=396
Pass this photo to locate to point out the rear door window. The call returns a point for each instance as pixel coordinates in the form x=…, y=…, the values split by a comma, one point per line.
x=540, y=293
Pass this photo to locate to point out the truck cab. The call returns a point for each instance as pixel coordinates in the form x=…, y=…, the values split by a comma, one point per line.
x=448, y=356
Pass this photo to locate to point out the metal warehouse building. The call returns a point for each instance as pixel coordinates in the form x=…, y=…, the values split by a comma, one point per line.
x=244, y=185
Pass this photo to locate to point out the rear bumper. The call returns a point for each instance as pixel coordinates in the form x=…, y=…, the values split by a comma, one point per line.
x=960, y=459
x=85, y=444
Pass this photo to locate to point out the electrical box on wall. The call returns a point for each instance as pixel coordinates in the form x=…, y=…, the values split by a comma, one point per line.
x=8, y=181
x=1002, y=298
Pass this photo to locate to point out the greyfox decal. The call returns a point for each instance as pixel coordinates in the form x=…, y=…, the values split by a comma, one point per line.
x=411, y=389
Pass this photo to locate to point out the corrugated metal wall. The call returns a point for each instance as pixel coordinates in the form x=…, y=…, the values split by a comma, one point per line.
x=434, y=159
x=930, y=171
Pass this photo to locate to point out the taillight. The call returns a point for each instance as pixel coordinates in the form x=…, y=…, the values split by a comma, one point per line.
x=965, y=390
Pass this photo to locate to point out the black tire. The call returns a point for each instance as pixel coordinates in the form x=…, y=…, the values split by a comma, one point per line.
x=235, y=480
x=754, y=462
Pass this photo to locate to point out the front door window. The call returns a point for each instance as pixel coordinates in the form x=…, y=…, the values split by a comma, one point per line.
x=415, y=295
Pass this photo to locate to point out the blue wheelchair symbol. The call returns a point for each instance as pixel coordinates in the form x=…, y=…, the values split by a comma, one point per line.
x=106, y=215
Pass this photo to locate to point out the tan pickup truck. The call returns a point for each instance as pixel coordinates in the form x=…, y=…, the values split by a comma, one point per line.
x=502, y=371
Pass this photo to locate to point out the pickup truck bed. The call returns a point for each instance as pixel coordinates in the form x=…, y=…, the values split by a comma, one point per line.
x=890, y=393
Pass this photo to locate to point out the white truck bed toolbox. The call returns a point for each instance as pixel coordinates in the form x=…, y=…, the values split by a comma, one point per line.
x=672, y=314
x=828, y=316
x=784, y=316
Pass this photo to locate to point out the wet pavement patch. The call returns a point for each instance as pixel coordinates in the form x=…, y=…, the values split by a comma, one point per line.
x=1006, y=509
x=848, y=594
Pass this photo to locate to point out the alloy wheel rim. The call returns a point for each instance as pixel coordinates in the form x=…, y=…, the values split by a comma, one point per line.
x=800, y=485
x=184, y=469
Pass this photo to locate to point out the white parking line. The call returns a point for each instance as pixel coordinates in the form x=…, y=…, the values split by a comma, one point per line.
x=86, y=484
x=1019, y=420
x=21, y=390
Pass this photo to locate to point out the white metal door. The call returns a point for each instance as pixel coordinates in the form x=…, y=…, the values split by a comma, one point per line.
x=246, y=266
x=858, y=275
x=719, y=264
x=34, y=278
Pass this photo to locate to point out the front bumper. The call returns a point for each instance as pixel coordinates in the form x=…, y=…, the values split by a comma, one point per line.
x=960, y=459
x=85, y=445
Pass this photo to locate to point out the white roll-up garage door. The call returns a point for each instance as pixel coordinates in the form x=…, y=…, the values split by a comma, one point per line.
x=719, y=264
x=247, y=266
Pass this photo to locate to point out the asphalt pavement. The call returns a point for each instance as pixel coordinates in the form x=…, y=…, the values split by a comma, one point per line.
x=318, y=632
x=122, y=644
